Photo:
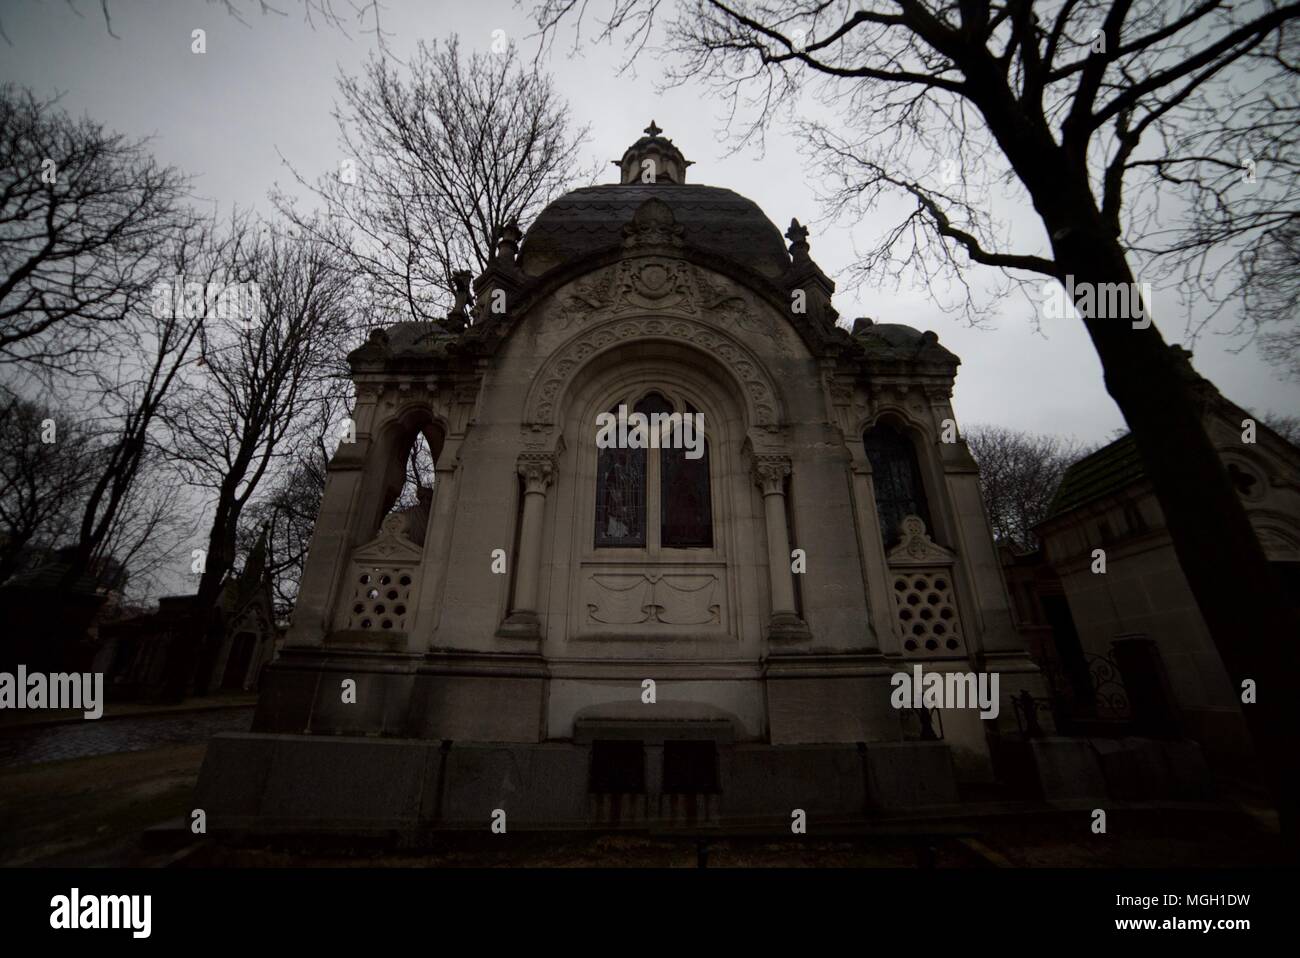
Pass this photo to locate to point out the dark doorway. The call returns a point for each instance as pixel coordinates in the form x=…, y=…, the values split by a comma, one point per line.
x=617, y=767
x=1069, y=651
x=690, y=767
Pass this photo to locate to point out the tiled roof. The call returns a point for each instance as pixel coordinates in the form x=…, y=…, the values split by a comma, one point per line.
x=712, y=218
x=1109, y=469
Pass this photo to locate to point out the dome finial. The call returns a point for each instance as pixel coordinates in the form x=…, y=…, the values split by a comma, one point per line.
x=797, y=234
x=653, y=159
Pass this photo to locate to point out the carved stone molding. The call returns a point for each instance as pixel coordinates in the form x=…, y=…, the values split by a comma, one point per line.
x=916, y=546
x=393, y=544
x=650, y=599
x=537, y=436
x=769, y=473
x=653, y=224
x=668, y=284
x=538, y=470
x=554, y=378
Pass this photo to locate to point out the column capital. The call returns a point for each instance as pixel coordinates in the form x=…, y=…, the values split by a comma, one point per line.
x=538, y=470
x=769, y=473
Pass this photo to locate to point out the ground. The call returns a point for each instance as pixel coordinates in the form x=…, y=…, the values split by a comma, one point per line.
x=84, y=794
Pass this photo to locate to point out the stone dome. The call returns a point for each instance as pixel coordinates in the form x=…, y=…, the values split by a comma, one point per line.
x=712, y=219
x=898, y=340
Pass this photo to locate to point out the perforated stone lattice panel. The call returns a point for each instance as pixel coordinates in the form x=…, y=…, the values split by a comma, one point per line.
x=927, y=612
x=381, y=598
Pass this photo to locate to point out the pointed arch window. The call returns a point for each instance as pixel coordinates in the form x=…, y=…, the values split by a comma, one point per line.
x=654, y=498
x=896, y=475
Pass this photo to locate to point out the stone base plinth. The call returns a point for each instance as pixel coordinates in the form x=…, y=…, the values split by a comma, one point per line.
x=262, y=784
x=1123, y=769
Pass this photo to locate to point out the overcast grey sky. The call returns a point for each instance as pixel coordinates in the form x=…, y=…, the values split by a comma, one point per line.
x=265, y=90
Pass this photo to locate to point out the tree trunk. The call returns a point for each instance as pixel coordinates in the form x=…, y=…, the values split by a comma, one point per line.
x=190, y=667
x=1253, y=627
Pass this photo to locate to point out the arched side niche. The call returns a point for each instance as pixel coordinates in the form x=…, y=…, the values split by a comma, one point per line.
x=897, y=477
x=385, y=471
x=917, y=432
x=926, y=582
x=653, y=590
x=379, y=593
x=546, y=396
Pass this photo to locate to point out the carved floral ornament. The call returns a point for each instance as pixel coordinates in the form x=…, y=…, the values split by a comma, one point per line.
x=669, y=284
x=553, y=380
x=769, y=473
x=537, y=469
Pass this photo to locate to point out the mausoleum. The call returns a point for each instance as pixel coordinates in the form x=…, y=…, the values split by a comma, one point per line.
x=578, y=634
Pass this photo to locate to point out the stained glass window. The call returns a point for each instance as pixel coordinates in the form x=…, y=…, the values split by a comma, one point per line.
x=620, y=497
x=684, y=500
x=685, y=510
x=897, y=477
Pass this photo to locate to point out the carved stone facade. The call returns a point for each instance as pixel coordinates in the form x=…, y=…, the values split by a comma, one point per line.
x=1107, y=503
x=564, y=594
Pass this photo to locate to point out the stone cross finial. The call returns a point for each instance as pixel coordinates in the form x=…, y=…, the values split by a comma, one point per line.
x=653, y=159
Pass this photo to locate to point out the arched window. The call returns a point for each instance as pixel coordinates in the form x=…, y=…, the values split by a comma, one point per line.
x=655, y=498
x=686, y=511
x=896, y=476
x=620, y=497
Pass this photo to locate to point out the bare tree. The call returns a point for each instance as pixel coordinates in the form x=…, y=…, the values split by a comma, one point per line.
x=45, y=467
x=141, y=366
x=435, y=160
x=261, y=380
x=1019, y=475
x=1234, y=161
x=51, y=464
x=1288, y=427
x=288, y=513
x=363, y=15
x=1274, y=291
x=291, y=503
x=81, y=210
x=968, y=106
x=152, y=524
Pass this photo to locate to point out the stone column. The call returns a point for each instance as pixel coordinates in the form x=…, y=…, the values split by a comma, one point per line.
x=328, y=563
x=769, y=476
x=538, y=471
x=875, y=567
